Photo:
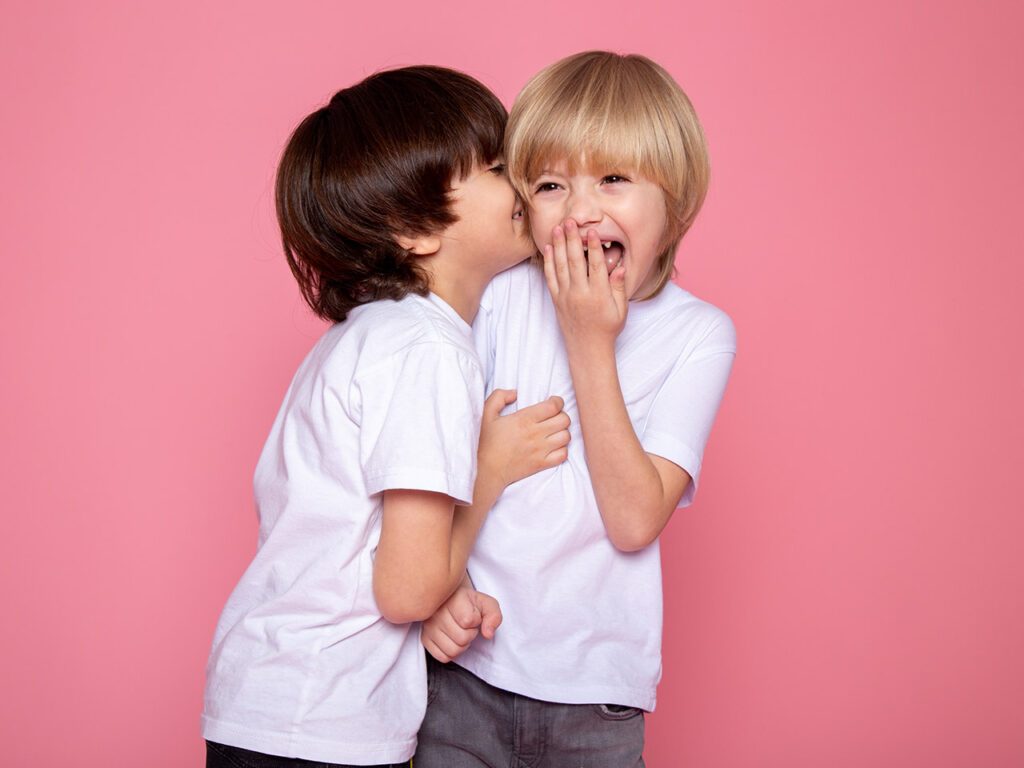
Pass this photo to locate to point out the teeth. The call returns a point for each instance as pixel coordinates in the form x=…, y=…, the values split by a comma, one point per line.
x=606, y=246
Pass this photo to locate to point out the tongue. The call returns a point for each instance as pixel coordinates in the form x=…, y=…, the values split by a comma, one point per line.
x=612, y=255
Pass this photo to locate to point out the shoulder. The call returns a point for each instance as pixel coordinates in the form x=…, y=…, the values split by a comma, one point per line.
x=387, y=332
x=707, y=327
x=527, y=276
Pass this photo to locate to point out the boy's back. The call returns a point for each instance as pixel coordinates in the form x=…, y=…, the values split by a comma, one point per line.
x=583, y=619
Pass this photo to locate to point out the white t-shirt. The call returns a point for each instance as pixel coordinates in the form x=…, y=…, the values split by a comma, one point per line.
x=582, y=620
x=303, y=664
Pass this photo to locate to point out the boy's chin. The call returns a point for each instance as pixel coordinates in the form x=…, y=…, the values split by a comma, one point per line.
x=519, y=255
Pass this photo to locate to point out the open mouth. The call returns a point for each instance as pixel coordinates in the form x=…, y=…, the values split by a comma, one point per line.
x=613, y=253
x=517, y=214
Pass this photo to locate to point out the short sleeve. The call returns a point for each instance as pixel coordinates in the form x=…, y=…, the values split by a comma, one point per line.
x=684, y=410
x=420, y=421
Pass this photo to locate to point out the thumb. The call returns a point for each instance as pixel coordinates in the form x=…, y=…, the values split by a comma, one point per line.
x=490, y=612
x=496, y=401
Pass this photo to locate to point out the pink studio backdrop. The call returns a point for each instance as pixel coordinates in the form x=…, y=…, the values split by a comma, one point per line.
x=847, y=591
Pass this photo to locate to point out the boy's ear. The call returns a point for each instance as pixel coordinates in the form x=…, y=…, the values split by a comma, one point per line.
x=420, y=245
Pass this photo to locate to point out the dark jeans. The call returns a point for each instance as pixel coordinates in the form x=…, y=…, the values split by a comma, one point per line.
x=223, y=756
x=470, y=724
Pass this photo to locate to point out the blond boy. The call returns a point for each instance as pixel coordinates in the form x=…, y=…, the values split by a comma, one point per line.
x=610, y=158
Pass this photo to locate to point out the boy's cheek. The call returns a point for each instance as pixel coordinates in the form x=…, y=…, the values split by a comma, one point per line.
x=540, y=232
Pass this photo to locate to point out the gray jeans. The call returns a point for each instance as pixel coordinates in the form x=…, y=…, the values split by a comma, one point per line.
x=470, y=724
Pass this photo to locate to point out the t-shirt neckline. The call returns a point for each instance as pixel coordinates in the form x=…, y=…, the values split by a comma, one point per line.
x=447, y=308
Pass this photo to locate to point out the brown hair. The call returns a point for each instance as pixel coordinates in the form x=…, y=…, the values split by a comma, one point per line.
x=604, y=111
x=377, y=162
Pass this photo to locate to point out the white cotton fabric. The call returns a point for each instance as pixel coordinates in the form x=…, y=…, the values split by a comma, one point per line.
x=303, y=664
x=582, y=620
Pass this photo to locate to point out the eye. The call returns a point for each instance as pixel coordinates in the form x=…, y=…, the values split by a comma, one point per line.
x=497, y=169
x=546, y=186
x=613, y=178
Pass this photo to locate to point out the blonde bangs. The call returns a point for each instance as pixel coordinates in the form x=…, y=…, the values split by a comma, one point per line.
x=602, y=112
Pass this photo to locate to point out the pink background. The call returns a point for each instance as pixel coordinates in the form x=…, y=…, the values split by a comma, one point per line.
x=847, y=590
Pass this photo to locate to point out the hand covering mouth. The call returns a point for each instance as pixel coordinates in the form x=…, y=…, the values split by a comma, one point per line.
x=613, y=253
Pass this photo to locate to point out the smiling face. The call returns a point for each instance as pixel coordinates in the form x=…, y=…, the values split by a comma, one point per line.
x=626, y=210
x=640, y=151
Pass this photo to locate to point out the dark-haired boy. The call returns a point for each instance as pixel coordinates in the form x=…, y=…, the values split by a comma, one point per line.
x=395, y=213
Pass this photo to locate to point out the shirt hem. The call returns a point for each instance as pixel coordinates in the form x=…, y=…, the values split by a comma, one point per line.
x=459, y=489
x=306, y=747
x=679, y=453
x=560, y=693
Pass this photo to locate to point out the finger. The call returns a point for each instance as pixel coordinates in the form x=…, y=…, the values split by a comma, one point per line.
x=617, y=280
x=556, y=423
x=496, y=402
x=549, y=270
x=561, y=265
x=454, y=640
x=491, y=612
x=556, y=457
x=459, y=632
x=434, y=651
x=595, y=257
x=544, y=410
x=463, y=611
x=574, y=255
x=448, y=647
x=557, y=440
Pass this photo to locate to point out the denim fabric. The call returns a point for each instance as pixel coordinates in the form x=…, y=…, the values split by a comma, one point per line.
x=470, y=724
x=223, y=756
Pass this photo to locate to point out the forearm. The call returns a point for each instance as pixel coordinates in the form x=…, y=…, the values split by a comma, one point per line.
x=420, y=564
x=467, y=521
x=629, y=490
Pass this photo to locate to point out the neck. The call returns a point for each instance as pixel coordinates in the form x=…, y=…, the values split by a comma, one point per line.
x=460, y=289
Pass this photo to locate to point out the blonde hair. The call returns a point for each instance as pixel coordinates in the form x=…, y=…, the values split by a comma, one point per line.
x=602, y=111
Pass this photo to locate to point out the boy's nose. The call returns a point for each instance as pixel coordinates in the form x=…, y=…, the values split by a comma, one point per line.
x=584, y=210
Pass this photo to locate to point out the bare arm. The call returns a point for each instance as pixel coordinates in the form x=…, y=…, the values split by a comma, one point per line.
x=636, y=492
x=426, y=539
